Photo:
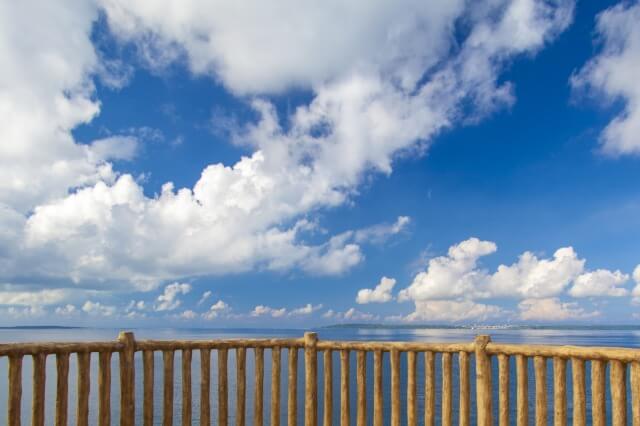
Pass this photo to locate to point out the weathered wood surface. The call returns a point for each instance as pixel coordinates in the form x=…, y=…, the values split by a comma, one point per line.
x=503, y=387
x=635, y=393
x=241, y=386
x=223, y=388
x=186, y=386
x=598, y=407
x=62, y=389
x=522, y=390
x=429, y=388
x=345, y=401
x=361, y=384
x=483, y=381
x=15, y=391
x=377, y=389
x=258, y=398
x=127, y=379
x=275, y=387
x=616, y=360
x=167, y=392
x=148, y=380
x=618, y=388
x=205, y=386
x=311, y=379
x=395, y=387
x=559, y=392
x=292, y=384
x=83, y=389
x=39, y=378
x=104, y=389
x=579, y=392
x=412, y=403
x=447, y=390
x=328, y=388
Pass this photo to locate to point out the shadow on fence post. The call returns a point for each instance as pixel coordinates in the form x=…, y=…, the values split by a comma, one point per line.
x=483, y=381
x=311, y=379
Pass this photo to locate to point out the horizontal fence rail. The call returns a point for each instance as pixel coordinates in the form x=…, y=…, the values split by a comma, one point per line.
x=426, y=382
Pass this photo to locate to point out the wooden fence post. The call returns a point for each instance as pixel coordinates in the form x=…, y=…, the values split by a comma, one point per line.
x=127, y=379
x=311, y=379
x=483, y=381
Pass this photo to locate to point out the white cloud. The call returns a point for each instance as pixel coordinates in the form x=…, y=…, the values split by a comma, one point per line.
x=216, y=310
x=33, y=298
x=307, y=309
x=601, y=282
x=380, y=233
x=114, y=148
x=66, y=310
x=452, y=285
x=453, y=310
x=396, y=78
x=451, y=276
x=533, y=277
x=169, y=300
x=551, y=309
x=351, y=314
x=206, y=295
x=188, y=315
x=262, y=310
x=613, y=73
x=97, y=308
x=380, y=294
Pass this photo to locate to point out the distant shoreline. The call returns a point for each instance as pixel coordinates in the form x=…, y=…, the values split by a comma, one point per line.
x=485, y=327
x=366, y=326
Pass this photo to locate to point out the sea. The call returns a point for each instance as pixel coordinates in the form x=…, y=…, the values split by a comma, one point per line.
x=623, y=336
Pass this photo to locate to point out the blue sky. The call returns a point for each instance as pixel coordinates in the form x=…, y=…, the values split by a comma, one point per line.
x=455, y=162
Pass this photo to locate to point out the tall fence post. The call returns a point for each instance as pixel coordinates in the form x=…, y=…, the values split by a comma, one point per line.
x=127, y=379
x=311, y=379
x=483, y=381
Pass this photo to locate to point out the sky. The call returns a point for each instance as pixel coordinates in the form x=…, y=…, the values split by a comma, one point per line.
x=292, y=163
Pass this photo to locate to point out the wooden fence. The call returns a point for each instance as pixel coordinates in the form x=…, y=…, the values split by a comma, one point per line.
x=481, y=350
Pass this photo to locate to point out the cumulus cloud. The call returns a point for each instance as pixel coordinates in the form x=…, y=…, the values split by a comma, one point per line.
x=216, y=310
x=262, y=310
x=396, y=77
x=452, y=285
x=451, y=276
x=168, y=301
x=380, y=294
x=98, y=309
x=307, y=309
x=613, y=74
x=551, y=309
x=601, y=282
x=188, y=315
x=533, y=277
x=66, y=310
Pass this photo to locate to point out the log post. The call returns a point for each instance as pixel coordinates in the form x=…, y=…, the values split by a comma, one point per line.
x=483, y=381
x=37, y=400
x=62, y=389
x=127, y=379
x=15, y=391
x=311, y=379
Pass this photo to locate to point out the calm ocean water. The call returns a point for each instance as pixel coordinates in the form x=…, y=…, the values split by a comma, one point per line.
x=589, y=337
